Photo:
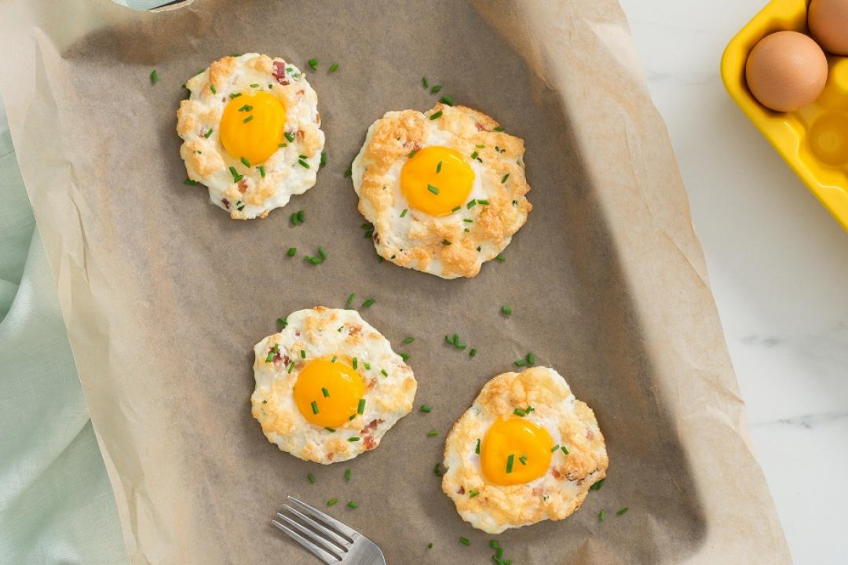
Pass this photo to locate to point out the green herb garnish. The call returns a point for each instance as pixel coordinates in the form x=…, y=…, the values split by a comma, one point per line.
x=446, y=100
x=245, y=162
x=311, y=478
x=303, y=163
x=332, y=501
x=506, y=176
x=325, y=392
x=432, y=433
x=347, y=475
x=334, y=67
x=509, y=462
x=313, y=63
x=598, y=485
x=622, y=511
x=435, y=89
x=426, y=408
x=191, y=182
x=261, y=170
x=403, y=213
x=506, y=310
x=464, y=541
x=154, y=77
x=432, y=189
x=353, y=505
x=314, y=407
x=436, y=116
x=208, y=133
x=323, y=162
x=477, y=449
x=424, y=82
x=368, y=303
x=289, y=136
x=247, y=119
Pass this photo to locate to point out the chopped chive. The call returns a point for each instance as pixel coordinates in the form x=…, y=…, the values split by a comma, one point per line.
x=246, y=108
x=456, y=209
x=408, y=340
x=509, y=462
x=494, y=544
x=477, y=449
x=483, y=202
x=314, y=407
x=520, y=362
x=311, y=478
x=384, y=373
x=471, y=204
x=445, y=242
x=446, y=100
x=261, y=171
x=439, y=167
x=435, y=89
x=360, y=409
x=473, y=493
x=519, y=412
x=555, y=448
x=472, y=353
x=235, y=95
x=347, y=474
x=303, y=163
x=283, y=322
x=352, y=416
x=461, y=345
x=234, y=172
x=208, y=133
x=430, y=545
x=402, y=214
x=368, y=303
x=437, y=470
x=499, y=128
x=355, y=362
x=282, y=145
x=293, y=219
x=247, y=119
x=353, y=505
x=426, y=408
x=191, y=182
x=474, y=156
x=598, y=485
x=455, y=340
x=289, y=136
x=334, y=67
x=622, y=511
x=332, y=501
x=245, y=162
x=367, y=366
x=523, y=459
x=565, y=451
x=333, y=360
x=601, y=515
x=291, y=367
x=313, y=260
x=322, y=253
x=506, y=176
x=432, y=433
x=313, y=63
x=323, y=161
x=500, y=258
x=529, y=409
x=506, y=310
x=325, y=392
x=154, y=77
x=303, y=354
x=212, y=88
x=353, y=438
x=424, y=82
x=340, y=329
x=531, y=359
x=436, y=116
x=331, y=430
x=432, y=189
x=404, y=356
x=464, y=541
x=301, y=216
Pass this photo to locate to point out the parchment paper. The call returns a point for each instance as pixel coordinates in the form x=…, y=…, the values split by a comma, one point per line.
x=164, y=295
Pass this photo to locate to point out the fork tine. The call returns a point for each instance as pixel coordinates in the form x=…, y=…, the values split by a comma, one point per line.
x=312, y=535
x=326, y=531
x=326, y=520
x=324, y=556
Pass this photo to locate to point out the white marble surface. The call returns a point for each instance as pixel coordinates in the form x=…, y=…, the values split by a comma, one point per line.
x=778, y=267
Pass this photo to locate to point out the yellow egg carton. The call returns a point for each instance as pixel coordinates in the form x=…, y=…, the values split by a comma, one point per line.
x=812, y=140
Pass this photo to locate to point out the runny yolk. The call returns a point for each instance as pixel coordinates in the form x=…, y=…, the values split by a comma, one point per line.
x=327, y=393
x=436, y=180
x=515, y=451
x=252, y=126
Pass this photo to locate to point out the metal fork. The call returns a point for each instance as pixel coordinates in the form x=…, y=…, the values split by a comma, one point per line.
x=328, y=539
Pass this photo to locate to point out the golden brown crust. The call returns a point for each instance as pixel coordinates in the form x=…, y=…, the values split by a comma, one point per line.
x=555, y=496
x=391, y=141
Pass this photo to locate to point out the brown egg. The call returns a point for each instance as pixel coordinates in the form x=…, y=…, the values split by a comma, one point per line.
x=828, y=21
x=786, y=71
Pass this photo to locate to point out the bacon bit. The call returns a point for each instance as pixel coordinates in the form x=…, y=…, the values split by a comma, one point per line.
x=590, y=434
x=374, y=423
x=481, y=127
x=330, y=456
x=296, y=333
x=242, y=186
x=372, y=383
x=279, y=73
x=461, y=490
x=370, y=442
x=537, y=491
x=280, y=359
x=226, y=203
x=318, y=118
x=556, y=473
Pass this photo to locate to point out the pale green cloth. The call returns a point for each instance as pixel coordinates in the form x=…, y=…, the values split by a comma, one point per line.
x=56, y=505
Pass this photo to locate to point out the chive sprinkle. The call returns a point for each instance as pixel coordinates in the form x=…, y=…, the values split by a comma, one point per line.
x=245, y=108
x=303, y=354
x=531, y=359
x=506, y=310
x=313, y=63
x=311, y=478
x=499, y=128
x=334, y=67
x=353, y=438
x=436, y=116
x=325, y=392
x=333, y=360
x=367, y=366
x=402, y=214
x=456, y=209
x=283, y=322
x=523, y=459
x=474, y=156
x=426, y=408
x=439, y=168
x=347, y=474
x=430, y=545
x=289, y=136
x=601, y=515
x=622, y=511
x=412, y=153
x=254, y=85
x=477, y=449
x=331, y=430
x=494, y=544
x=301, y=216
x=361, y=408
x=353, y=505
x=509, y=462
x=154, y=77
x=323, y=162
x=384, y=373
x=303, y=163
x=471, y=204
x=564, y=449
x=437, y=470
x=445, y=242
x=432, y=189
x=473, y=493
x=291, y=367
x=464, y=541
x=555, y=448
x=322, y=253
x=314, y=407
x=368, y=303
x=355, y=362
x=432, y=433
x=520, y=362
x=247, y=119
x=500, y=258
x=261, y=171
x=208, y=133
x=245, y=162
x=483, y=202
x=332, y=501
x=519, y=412
x=506, y=176
x=446, y=100
x=294, y=219
x=212, y=88
x=404, y=356
x=191, y=182
x=472, y=353
x=235, y=95
x=598, y=485
x=435, y=89
x=424, y=82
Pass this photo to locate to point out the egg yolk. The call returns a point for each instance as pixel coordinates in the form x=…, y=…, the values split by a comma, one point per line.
x=328, y=393
x=515, y=451
x=252, y=126
x=436, y=180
